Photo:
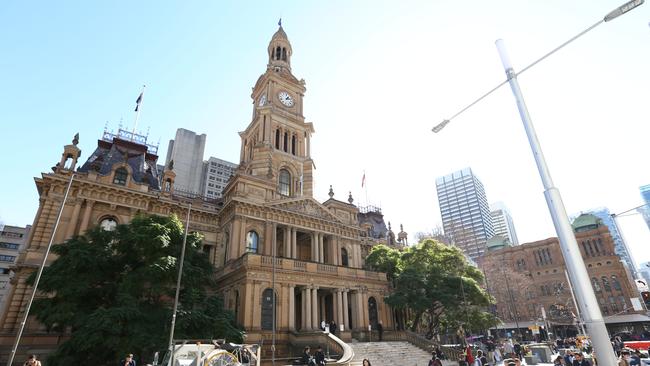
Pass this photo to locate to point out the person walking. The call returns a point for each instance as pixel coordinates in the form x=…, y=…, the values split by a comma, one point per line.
x=128, y=360
x=508, y=349
x=380, y=330
x=624, y=358
x=322, y=325
x=333, y=327
x=32, y=361
x=366, y=362
x=579, y=360
x=319, y=356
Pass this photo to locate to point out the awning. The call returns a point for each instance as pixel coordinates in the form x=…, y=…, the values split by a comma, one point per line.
x=512, y=325
x=627, y=318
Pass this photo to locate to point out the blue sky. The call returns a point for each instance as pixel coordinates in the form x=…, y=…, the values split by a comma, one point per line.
x=379, y=75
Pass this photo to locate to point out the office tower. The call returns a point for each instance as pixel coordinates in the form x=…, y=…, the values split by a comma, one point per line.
x=502, y=222
x=645, y=210
x=12, y=240
x=465, y=211
x=620, y=247
x=187, y=152
x=217, y=174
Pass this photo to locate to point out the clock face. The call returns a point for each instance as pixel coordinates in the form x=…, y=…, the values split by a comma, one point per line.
x=262, y=100
x=108, y=224
x=285, y=99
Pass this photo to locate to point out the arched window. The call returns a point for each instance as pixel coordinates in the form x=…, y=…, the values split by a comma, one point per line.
x=121, y=174
x=293, y=145
x=344, y=257
x=595, y=284
x=267, y=309
x=278, y=52
x=597, y=245
x=277, y=138
x=613, y=304
x=252, y=242
x=286, y=142
x=606, y=285
x=615, y=283
x=584, y=247
x=168, y=185
x=285, y=183
x=284, y=54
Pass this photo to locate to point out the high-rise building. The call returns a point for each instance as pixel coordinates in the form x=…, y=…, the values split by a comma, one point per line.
x=12, y=239
x=502, y=222
x=465, y=211
x=186, y=150
x=217, y=174
x=620, y=247
x=645, y=210
x=644, y=272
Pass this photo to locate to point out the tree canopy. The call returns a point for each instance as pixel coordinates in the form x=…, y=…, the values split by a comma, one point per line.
x=437, y=284
x=114, y=291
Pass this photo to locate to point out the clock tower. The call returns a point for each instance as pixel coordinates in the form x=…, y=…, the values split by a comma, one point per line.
x=275, y=147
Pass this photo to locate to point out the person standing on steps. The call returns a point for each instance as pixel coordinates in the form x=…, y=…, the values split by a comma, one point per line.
x=380, y=330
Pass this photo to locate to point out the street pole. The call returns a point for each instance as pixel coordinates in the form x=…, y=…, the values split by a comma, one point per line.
x=178, y=283
x=581, y=323
x=572, y=256
x=38, y=275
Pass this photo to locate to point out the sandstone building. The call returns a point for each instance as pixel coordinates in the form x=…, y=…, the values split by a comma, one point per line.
x=528, y=281
x=267, y=235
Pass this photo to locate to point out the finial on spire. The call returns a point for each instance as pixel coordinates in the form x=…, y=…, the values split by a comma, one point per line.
x=170, y=166
x=331, y=192
x=389, y=227
x=280, y=22
x=75, y=140
x=350, y=199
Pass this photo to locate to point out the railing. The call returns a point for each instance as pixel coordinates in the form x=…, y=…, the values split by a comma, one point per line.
x=342, y=348
x=326, y=268
x=268, y=261
x=300, y=266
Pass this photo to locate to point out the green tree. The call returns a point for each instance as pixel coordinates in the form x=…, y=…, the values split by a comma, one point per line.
x=437, y=284
x=114, y=291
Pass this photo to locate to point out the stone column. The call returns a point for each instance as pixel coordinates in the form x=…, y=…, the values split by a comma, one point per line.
x=321, y=249
x=314, y=246
x=256, y=307
x=307, y=315
x=242, y=237
x=339, y=308
x=359, y=313
x=235, y=238
x=364, y=299
x=308, y=145
x=72, y=224
x=346, y=321
x=314, y=309
x=286, y=244
x=303, y=311
x=294, y=243
x=86, y=217
x=292, y=308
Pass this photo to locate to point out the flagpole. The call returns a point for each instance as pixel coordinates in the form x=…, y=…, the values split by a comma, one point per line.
x=366, y=186
x=137, y=112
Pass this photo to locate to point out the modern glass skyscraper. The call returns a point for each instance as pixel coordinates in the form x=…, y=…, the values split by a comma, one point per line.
x=645, y=210
x=502, y=222
x=620, y=246
x=465, y=211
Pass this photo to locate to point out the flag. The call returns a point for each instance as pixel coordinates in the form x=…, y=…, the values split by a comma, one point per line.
x=363, y=180
x=138, y=101
x=280, y=22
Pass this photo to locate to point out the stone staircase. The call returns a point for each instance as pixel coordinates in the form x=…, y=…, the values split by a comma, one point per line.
x=389, y=354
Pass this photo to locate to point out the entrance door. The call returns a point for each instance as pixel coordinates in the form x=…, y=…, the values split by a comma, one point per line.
x=267, y=309
x=372, y=312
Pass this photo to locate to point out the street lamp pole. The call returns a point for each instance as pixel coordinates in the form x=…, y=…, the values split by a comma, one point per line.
x=572, y=256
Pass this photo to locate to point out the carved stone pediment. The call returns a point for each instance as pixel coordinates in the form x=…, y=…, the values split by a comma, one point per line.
x=308, y=207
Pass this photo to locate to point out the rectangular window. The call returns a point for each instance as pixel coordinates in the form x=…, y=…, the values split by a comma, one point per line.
x=8, y=245
x=7, y=258
x=213, y=170
x=3, y=284
x=212, y=177
x=12, y=235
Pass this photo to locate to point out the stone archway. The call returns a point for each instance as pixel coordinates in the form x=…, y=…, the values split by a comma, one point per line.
x=373, y=317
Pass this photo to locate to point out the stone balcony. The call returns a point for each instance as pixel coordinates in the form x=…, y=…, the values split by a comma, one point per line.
x=257, y=261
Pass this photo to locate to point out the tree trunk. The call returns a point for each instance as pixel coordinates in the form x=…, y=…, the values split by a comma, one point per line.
x=418, y=316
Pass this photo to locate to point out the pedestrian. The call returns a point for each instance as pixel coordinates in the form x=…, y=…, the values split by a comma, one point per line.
x=333, y=327
x=306, y=358
x=517, y=348
x=508, y=349
x=480, y=359
x=128, y=360
x=568, y=357
x=635, y=358
x=32, y=361
x=366, y=362
x=380, y=330
x=559, y=361
x=490, y=346
x=322, y=325
x=319, y=356
x=579, y=360
x=624, y=358
x=435, y=361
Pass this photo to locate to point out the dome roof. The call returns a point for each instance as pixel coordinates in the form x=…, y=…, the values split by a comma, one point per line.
x=586, y=222
x=497, y=242
x=280, y=34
